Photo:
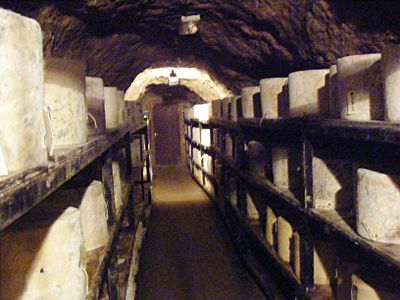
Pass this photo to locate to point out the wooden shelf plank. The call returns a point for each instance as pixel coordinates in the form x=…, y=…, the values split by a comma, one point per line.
x=230, y=125
x=20, y=192
x=389, y=254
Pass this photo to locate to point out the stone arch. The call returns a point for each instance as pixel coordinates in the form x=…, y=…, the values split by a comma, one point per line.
x=198, y=81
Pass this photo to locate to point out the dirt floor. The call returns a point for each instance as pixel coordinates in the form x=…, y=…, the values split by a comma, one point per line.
x=187, y=253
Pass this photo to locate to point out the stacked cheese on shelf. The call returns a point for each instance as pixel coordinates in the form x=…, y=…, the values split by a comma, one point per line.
x=95, y=104
x=65, y=98
x=22, y=127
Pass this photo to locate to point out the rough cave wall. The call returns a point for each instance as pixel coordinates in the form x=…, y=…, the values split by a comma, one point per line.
x=238, y=42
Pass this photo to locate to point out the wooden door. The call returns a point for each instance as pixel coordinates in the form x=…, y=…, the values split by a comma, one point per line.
x=166, y=132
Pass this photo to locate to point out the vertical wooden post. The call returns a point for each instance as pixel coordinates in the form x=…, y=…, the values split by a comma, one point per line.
x=112, y=274
x=108, y=183
x=240, y=187
x=307, y=156
x=307, y=244
x=128, y=153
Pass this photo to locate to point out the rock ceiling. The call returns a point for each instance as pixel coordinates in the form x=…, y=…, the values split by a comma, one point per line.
x=238, y=42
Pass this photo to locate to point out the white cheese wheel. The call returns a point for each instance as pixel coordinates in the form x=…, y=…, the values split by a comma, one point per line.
x=230, y=109
x=236, y=103
x=257, y=159
x=22, y=127
x=308, y=93
x=378, y=206
x=273, y=97
x=248, y=94
x=196, y=134
x=391, y=81
x=202, y=112
x=50, y=262
x=206, y=137
x=65, y=96
x=94, y=215
x=280, y=166
x=252, y=212
x=324, y=257
x=376, y=289
x=360, y=87
x=121, y=107
x=270, y=230
x=332, y=184
x=117, y=186
x=207, y=163
x=333, y=92
x=95, y=105
x=111, y=107
x=285, y=235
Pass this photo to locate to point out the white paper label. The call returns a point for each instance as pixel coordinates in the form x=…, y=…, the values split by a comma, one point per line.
x=3, y=166
x=351, y=100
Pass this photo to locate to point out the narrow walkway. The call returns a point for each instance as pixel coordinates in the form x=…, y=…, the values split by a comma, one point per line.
x=187, y=253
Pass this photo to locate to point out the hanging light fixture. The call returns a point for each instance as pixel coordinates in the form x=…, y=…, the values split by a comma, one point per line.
x=188, y=24
x=173, y=79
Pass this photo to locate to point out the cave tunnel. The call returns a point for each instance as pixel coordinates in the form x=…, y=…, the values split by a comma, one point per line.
x=192, y=149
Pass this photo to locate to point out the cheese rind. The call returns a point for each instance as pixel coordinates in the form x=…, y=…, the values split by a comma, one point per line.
x=111, y=107
x=378, y=206
x=360, y=87
x=285, y=234
x=308, y=93
x=65, y=96
x=272, y=99
x=95, y=105
x=332, y=184
x=22, y=126
x=248, y=94
x=121, y=107
x=50, y=262
x=391, y=79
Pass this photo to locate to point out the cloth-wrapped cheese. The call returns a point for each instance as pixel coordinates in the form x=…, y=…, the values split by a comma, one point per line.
x=111, y=107
x=95, y=105
x=65, y=97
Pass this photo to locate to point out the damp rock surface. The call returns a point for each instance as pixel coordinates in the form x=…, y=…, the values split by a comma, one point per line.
x=238, y=42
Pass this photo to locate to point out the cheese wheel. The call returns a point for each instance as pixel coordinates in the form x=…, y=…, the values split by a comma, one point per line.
x=285, y=235
x=202, y=112
x=308, y=93
x=273, y=98
x=378, y=206
x=50, y=262
x=360, y=87
x=217, y=109
x=65, y=96
x=252, y=212
x=270, y=230
x=391, y=81
x=111, y=107
x=22, y=128
x=332, y=184
x=333, y=92
x=94, y=94
x=248, y=94
x=257, y=159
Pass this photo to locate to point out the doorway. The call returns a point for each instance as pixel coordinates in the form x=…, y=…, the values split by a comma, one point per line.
x=166, y=134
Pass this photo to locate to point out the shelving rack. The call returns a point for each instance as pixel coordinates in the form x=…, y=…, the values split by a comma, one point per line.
x=370, y=144
x=20, y=193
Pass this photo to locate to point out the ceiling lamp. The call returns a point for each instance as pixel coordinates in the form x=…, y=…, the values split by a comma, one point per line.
x=173, y=79
x=188, y=25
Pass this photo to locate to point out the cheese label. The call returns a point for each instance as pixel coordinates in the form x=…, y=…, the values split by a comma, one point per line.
x=351, y=102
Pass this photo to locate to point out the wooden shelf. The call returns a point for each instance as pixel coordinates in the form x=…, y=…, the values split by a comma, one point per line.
x=20, y=192
x=364, y=143
x=388, y=254
x=230, y=125
x=98, y=260
x=371, y=131
x=258, y=241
